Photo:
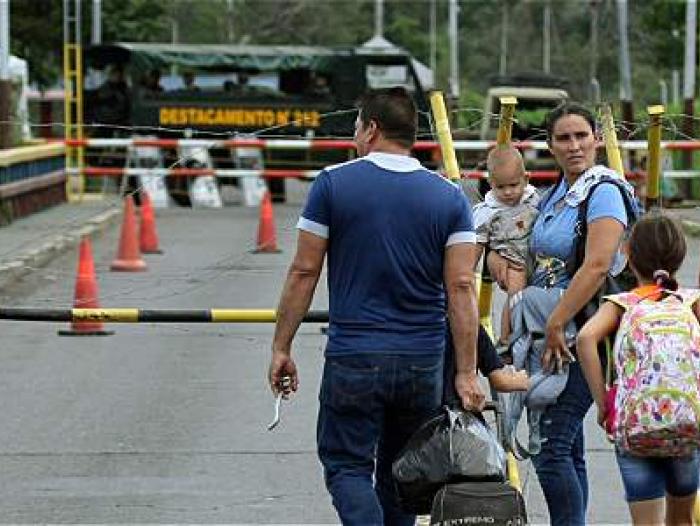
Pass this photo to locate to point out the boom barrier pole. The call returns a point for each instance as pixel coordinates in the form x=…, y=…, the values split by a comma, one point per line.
x=654, y=167
x=611, y=146
x=442, y=127
x=153, y=316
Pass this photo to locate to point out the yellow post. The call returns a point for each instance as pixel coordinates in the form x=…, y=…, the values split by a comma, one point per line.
x=610, y=137
x=505, y=124
x=503, y=137
x=79, y=116
x=513, y=471
x=73, y=117
x=654, y=161
x=68, y=117
x=442, y=127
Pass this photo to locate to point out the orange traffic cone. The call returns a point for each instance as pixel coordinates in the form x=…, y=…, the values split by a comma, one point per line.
x=267, y=238
x=85, y=295
x=148, y=234
x=129, y=256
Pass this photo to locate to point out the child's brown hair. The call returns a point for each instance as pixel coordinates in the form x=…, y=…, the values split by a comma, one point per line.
x=657, y=249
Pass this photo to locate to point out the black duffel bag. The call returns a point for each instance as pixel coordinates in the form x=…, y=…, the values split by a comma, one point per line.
x=493, y=503
x=454, y=446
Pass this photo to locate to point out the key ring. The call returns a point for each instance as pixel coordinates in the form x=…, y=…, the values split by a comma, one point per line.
x=283, y=385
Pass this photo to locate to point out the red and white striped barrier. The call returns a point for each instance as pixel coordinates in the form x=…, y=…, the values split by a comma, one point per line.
x=337, y=144
x=542, y=175
x=191, y=172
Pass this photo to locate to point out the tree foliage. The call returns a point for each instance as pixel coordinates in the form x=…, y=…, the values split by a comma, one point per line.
x=656, y=33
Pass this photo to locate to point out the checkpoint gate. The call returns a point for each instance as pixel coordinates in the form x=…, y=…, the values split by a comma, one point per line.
x=148, y=157
x=203, y=190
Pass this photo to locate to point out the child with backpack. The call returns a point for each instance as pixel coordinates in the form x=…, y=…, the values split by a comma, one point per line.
x=652, y=409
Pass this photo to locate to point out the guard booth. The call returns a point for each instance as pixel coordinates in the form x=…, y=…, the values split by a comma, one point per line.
x=220, y=91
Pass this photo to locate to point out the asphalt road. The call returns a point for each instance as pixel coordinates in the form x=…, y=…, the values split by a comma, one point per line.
x=167, y=423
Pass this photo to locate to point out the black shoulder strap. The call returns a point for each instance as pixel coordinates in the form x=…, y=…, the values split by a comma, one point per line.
x=547, y=195
x=581, y=227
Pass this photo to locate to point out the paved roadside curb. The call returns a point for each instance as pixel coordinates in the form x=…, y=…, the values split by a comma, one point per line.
x=689, y=219
x=691, y=228
x=27, y=261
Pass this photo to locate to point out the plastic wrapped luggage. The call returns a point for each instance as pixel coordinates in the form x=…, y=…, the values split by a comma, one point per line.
x=454, y=446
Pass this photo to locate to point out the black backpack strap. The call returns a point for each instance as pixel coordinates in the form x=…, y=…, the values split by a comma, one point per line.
x=547, y=195
x=632, y=210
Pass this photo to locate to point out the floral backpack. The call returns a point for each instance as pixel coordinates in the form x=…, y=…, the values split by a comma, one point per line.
x=656, y=398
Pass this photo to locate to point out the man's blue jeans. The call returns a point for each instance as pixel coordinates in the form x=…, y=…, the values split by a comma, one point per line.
x=370, y=405
x=560, y=465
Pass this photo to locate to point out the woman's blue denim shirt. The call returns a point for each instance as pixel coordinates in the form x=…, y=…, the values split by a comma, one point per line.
x=552, y=239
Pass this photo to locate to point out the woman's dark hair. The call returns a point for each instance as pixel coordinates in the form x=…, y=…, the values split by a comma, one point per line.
x=657, y=249
x=394, y=112
x=568, y=108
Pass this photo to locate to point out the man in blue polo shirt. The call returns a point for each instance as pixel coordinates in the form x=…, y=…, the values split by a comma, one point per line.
x=400, y=244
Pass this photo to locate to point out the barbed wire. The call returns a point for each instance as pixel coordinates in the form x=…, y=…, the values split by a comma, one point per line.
x=228, y=263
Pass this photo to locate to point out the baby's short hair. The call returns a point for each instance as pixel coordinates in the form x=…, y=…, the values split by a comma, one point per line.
x=502, y=153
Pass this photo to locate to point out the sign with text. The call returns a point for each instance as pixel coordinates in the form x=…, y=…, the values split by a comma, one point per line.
x=238, y=117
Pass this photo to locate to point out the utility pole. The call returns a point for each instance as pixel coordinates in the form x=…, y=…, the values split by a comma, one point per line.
x=675, y=75
x=691, y=12
x=663, y=92
x=433, y=38
x=546, y=48
x=378, y=18
x=230, y=33
x=625, y=69
x=454, y=50
x=95, y=77
x=675, y=86
x=593, y=66
x=96, y=22
x=174, y=38
x=5, y=83
x=503, y=63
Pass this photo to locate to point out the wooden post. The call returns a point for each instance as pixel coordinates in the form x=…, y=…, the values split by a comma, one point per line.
x=653, y=199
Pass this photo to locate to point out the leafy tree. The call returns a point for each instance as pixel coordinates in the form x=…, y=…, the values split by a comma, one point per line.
x=656, y=32
x=39, y=39
x=131, y=20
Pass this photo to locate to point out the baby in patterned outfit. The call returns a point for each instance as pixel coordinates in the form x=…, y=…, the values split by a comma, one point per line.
x=504, y=220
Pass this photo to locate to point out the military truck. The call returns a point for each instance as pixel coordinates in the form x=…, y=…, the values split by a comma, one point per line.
x=267, y=91
x=537, y=94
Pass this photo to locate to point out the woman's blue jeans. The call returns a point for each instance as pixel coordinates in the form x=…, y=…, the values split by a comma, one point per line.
x=370, y=405
x=560, y=465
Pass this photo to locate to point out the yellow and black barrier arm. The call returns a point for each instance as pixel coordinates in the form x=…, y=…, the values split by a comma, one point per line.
x=653, y=199
x=153, y=316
